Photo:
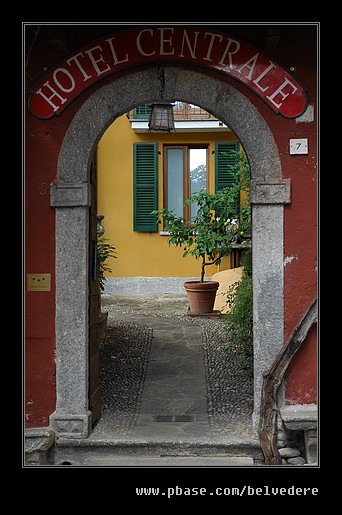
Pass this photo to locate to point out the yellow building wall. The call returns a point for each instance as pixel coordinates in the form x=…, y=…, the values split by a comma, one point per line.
x=143, y=254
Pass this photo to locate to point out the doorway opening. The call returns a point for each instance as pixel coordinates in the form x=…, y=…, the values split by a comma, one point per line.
x=72, y=417
x=192, y=384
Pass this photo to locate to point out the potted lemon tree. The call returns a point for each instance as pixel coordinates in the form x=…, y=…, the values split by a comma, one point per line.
x=208, y=236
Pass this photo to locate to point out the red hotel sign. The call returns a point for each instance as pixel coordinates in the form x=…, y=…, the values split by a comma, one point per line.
x=196, y=46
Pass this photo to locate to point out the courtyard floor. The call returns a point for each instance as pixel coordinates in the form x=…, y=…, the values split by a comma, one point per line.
x=165, y=374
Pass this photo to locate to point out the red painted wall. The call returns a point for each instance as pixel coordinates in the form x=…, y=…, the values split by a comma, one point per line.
x=296, y=47
x=301, y=387
x=300, y=246
x=40, y=171
x=42, y=143
x=39, y=258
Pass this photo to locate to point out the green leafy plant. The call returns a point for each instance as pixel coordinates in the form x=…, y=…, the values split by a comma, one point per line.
x=210, y=234
x=240, y=295
x=222, y=219
x=240, y=318
x=245, y=206
x=104, y=251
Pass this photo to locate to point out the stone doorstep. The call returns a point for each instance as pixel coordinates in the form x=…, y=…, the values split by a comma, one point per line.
x=163, y=461
x=301, y=417
x=220, y=451
x=156, y=451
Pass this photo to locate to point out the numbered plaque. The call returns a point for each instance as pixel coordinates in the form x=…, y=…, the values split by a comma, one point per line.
x=299, y=146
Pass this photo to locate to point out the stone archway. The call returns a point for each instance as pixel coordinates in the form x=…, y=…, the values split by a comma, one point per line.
x=71, y=198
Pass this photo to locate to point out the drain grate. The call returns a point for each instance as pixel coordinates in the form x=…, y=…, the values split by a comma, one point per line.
x=173, y=418
x=184, y=418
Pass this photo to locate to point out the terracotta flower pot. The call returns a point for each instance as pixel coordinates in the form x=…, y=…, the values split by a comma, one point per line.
x=201, y=296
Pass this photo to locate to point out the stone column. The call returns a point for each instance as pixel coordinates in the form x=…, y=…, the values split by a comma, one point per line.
x=267, y=198
x=72, y=417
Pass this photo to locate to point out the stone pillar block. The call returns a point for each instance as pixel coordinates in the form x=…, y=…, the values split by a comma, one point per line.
x=71, y=425
x=38, y=443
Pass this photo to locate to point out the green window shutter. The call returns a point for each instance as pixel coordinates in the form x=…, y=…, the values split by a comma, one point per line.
x=142, y=112
x=227, y=159
x=227, y=165
x=145, y=166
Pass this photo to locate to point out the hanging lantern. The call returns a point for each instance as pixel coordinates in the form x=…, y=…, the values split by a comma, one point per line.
x=161, y=118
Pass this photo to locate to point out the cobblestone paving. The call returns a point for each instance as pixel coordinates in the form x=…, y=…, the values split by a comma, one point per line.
x=123, y=361
x=125, y=353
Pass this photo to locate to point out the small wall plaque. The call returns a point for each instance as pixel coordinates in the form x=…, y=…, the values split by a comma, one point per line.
x=38, y=282
x=299, y=146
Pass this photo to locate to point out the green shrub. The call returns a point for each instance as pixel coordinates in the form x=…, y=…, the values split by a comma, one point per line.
x=240, y=318
x=104, y=251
